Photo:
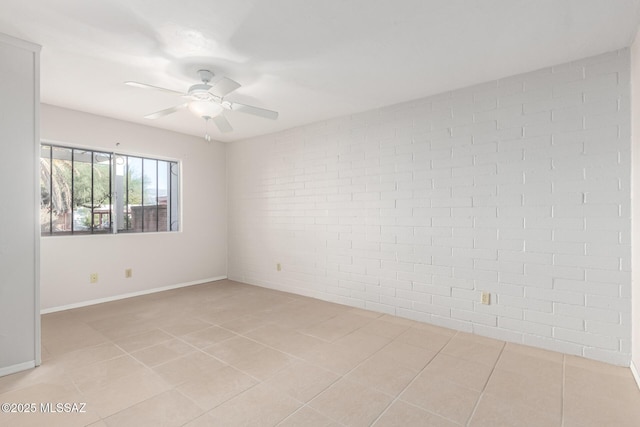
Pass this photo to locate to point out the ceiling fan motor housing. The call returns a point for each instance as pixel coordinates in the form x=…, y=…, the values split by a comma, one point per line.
x=200, y=91
x=205, y=75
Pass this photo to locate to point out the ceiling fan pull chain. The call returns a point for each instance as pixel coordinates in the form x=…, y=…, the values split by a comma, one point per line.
x=207, y=137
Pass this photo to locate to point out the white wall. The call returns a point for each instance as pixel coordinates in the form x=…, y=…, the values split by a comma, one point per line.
x=519, y=187
x=635, y=196
x=19, y=98
x=197, y=253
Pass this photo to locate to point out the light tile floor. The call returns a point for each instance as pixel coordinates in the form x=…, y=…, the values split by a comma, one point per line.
x=230, y=354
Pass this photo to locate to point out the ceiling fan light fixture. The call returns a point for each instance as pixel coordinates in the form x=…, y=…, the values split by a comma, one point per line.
x=204, y=108
x=207, y=102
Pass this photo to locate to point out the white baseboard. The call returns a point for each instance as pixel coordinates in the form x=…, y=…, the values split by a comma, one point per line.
x=129, y=295
x=17, y=368
x=636, y=374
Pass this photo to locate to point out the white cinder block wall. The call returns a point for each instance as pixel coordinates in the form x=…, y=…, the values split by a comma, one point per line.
x=519, y=187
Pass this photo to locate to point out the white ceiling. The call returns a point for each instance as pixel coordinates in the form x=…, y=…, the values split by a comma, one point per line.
x=309, y=60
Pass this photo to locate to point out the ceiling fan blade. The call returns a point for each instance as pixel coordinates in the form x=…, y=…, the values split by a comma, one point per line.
x=222, y=123
x=224, y=86
x=146, y=86
x=166, y=112
x=256, y=111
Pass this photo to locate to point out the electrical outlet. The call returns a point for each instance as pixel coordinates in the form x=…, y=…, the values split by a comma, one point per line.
x=278, y=267
x=128, y=273
x=485, y=298
x=93, y=278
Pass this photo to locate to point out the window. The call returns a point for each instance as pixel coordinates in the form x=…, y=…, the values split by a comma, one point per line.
x=93, y=192
x=149, y=190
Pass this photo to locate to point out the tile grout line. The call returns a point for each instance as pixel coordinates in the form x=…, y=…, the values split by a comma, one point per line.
x=297, y=359
x=148, y=369
x=175, y=387
x=394, y=400
x=475, y=408
x=343, y=376
x=306, y=405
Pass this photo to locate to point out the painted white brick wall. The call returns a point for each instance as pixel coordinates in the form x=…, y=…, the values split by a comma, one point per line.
x=519, y=187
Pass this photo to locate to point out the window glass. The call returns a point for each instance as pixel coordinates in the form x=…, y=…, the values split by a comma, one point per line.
x=82, y=191
x=163, y=196
x=61, y=190
x=173, y=198
x=87, y=192
x=45, y=189
x=102, y=205
x=150, y=195
x=133, y=186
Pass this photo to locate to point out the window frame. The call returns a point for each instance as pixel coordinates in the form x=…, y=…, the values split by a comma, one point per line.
x=173, y=203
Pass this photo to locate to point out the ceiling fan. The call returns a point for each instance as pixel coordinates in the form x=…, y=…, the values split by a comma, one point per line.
x=207, y=101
